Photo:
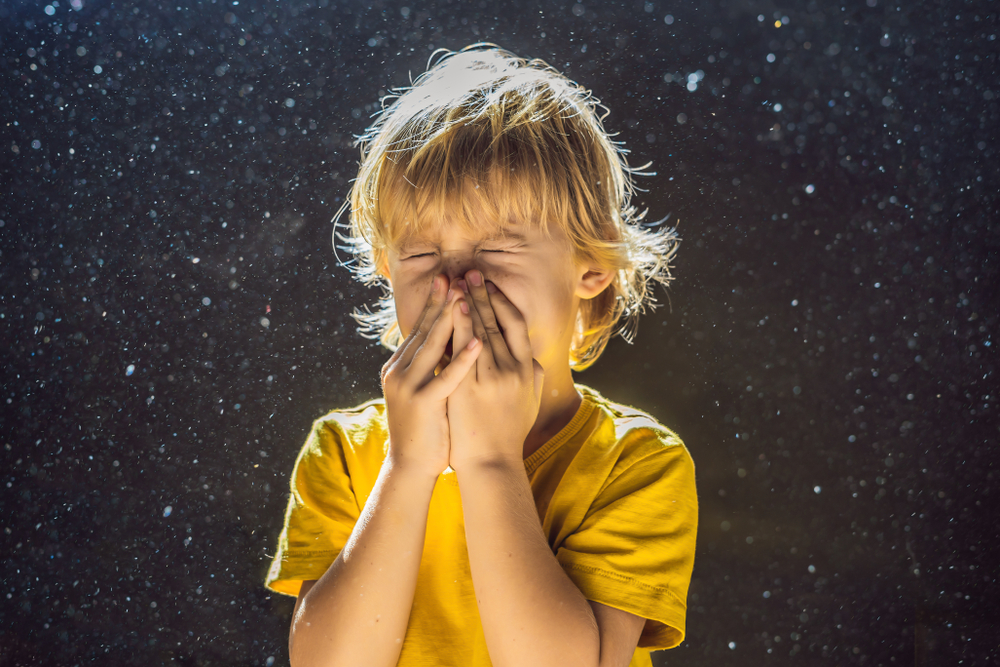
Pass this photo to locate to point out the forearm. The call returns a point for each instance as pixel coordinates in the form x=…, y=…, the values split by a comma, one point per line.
x=532, y=613
x=357, y=612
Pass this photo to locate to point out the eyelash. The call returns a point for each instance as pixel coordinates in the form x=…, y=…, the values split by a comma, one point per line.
x=429, y=254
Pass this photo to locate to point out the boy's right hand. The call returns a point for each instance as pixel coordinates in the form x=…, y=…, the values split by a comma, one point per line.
x=416, y=399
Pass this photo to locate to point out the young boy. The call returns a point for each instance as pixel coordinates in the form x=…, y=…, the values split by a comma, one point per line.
x=488, y=511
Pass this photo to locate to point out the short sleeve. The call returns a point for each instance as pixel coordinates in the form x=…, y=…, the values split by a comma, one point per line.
x=634, y=550
x=321, y=514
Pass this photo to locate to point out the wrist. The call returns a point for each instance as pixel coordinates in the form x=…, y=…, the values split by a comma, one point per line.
x=415, y=468
x=493, y=464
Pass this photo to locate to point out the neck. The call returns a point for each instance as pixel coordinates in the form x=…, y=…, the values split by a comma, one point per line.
x=560, y=401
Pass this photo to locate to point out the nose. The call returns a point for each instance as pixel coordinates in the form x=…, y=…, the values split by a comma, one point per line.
x=456, y=265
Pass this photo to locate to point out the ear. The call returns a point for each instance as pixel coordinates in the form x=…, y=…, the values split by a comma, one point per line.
x=593, y=280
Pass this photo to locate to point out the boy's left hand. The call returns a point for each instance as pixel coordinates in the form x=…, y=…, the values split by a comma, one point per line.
x=495, y=406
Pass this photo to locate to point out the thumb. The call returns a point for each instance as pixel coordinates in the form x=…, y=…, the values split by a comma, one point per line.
x=539, y=381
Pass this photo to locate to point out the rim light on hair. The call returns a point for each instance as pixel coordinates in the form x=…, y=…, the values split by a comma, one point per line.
x=487, y=139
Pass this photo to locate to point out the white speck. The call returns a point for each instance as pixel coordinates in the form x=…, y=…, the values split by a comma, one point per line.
x=36, y=144
x=770, y=58
x=98, y=69
x=669, y=19
x=289, y=102
x=130, y=369
x=810, y=189
x=812, y=569
x=167, y=510
x=50, y=10
x=206, y=301
x=778, y=107
x=264, y=322
x=795, y=302
x=767, y=594
x=817, y=489
x=195, y=260
x=269, y=661
x=732, y=646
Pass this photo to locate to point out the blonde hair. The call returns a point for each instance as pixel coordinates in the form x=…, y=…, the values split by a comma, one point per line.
x=486, y=138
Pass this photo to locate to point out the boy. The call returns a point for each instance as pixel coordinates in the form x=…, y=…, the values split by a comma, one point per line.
x=489, y=511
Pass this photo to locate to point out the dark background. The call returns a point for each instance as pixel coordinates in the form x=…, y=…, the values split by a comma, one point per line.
x=172, y=315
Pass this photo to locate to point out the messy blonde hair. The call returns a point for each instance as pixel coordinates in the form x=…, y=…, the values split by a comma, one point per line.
x=486, y=138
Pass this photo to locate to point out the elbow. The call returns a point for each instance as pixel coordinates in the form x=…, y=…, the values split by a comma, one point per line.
x=301, y=640
x=295, y=652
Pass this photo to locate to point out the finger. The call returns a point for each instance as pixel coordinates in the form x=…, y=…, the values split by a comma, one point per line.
x=432, y=309
x=428, y=355
x=486, y=360
x=462, y=323
x=448, y=380
x=490, y=329
x=515, y=329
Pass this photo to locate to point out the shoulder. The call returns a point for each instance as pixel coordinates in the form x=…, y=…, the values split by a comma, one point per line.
x=351, y=421
x=632, y=424
x=348, y=430
x=634, y=429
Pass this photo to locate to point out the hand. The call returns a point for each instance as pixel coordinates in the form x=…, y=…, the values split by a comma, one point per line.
x=416, y=398
x=495, y=406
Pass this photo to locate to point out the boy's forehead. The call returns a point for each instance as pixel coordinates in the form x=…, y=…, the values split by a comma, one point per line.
x=436, y=232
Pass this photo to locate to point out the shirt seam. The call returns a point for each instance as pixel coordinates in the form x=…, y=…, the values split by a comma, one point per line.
x=306, y=554
x=620, y=577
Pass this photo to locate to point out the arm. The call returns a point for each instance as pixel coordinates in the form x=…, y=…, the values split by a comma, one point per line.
x=356, y=613
x=532, y=613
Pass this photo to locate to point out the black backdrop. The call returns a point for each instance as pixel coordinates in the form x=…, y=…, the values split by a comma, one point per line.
x=172, y=316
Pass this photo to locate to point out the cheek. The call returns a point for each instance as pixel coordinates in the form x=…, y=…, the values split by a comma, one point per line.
x=409, y=300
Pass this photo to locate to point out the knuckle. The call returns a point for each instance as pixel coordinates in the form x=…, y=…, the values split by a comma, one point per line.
x=390, y=374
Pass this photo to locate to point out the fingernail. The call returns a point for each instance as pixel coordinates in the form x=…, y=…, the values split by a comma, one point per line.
x=463, y=286
x=464, y=306
x=451, y=293
x=476, y=278
x=491, y=288
x=472, y=343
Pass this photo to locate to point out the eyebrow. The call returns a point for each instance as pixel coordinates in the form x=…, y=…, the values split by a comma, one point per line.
x=507, y=236
x=410, y=242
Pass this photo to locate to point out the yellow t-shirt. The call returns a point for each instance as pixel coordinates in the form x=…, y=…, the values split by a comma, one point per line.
x=615, y=492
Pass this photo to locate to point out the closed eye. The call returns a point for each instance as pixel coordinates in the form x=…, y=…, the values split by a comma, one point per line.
x=422, y=254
